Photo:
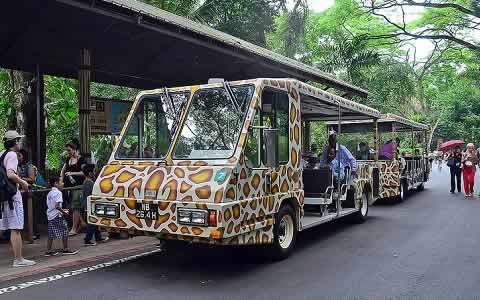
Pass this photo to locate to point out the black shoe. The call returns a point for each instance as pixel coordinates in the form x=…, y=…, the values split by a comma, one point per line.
x=90, y=243
x=68, y=252
x=103, y=240
x=51, y=253
x=452, y=192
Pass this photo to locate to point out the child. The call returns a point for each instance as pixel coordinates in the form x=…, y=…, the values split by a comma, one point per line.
x=89, y=171
x=57, y=225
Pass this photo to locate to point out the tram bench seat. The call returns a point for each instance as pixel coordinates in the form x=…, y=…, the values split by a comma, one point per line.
x=316, y=182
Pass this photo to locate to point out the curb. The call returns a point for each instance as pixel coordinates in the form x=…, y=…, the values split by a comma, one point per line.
x=75, y=262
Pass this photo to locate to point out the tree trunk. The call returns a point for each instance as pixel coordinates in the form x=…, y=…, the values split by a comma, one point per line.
x=432, y=131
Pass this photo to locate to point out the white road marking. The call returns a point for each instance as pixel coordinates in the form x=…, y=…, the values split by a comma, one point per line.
x=48, y=279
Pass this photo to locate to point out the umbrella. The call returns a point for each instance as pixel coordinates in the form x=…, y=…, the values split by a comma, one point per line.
x=450, y=144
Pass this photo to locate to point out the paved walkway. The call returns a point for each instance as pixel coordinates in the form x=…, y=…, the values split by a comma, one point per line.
x=424, y=248
x=35, y=251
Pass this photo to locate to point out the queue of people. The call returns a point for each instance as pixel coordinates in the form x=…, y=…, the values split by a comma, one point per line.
x=463, y=164
x=77, y=173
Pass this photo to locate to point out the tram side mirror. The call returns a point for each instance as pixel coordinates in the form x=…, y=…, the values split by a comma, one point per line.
x=270, y=137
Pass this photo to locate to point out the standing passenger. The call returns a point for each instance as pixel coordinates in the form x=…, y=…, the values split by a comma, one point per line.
x=343, y=154
x=469, y=160
x=72, y=176
x=92, y=230
x=455, y=164
x=57, y=225
x=12, y=211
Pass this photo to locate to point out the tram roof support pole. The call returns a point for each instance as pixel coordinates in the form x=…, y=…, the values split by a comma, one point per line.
x=375, y=139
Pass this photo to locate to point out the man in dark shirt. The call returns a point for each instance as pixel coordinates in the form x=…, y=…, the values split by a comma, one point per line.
x=89, y=171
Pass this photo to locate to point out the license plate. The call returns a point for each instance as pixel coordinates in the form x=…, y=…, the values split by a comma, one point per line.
x=147, y=211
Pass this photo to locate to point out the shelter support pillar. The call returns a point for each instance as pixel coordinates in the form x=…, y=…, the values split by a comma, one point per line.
x=39, y=144
x=84, y=100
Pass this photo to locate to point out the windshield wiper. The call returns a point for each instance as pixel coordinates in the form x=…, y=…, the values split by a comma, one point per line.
x=167, y=95
x=176, y=113
x=231, y=96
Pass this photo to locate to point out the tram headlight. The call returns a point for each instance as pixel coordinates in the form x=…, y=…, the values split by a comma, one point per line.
x=189, y=216
x=106, y=210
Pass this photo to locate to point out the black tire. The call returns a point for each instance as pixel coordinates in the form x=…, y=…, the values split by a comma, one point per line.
x=421, y=187
x=279, y=250
x=403, y=192
x=362, y=214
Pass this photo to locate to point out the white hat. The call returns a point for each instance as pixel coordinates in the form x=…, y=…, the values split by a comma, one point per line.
x=332, y=131
x=11, y=135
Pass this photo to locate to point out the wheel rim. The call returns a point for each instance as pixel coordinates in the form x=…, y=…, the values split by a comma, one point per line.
x=364, y=208
x=285, y=231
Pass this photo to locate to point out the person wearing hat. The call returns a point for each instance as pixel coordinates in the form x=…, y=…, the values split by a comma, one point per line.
x=342, y=153
x=12, y=215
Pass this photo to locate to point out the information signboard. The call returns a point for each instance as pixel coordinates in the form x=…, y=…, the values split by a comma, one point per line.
x=107, y=116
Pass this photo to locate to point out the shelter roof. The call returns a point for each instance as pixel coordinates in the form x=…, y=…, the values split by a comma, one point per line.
x=137, y=45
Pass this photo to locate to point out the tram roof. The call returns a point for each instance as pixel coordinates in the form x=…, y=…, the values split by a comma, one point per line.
x=135, y=44
x=387, y=123
x=317, y=104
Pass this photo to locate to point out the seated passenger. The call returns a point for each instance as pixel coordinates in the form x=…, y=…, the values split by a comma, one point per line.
x=133, y=152
x=148, y=152
x=344, y=155
x=388, y=150
x=312, y=152
x=363, y=152
x=416, y=152
x=332, y=163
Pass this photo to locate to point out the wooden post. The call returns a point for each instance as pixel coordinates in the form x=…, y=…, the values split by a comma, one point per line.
x=30, y=217
x=84, y=100
x=40, y=141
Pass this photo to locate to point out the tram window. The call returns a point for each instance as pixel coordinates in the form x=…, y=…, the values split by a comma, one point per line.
x=275, y=112
x=148, y=135
x=253, y=145
x=282, y=125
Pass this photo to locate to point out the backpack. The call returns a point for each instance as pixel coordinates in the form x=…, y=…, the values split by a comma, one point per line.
x=7, y=188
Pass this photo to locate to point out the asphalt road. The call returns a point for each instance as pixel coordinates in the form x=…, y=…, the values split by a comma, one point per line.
x=425, y=247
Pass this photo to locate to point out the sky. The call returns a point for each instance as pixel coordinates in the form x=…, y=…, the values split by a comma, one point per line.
x=424, y=47
x=320, y=5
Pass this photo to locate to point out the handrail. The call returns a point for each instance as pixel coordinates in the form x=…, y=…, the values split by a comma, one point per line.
x=29, y=193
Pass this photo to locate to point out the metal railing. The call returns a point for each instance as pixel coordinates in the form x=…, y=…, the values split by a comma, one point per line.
x=29, y=201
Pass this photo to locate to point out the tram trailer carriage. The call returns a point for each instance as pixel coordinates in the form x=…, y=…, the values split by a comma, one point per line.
x=391, y=180
x=220, y=164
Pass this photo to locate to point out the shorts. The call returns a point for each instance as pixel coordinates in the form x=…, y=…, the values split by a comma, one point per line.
x=12, y=218
x=76, y=199
x=57, y=228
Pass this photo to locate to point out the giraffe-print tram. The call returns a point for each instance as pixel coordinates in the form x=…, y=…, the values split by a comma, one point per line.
x=391, y=179
x=248, y=196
